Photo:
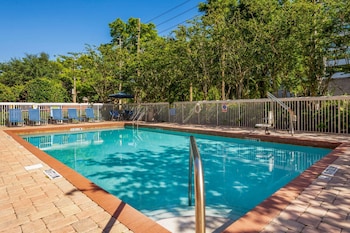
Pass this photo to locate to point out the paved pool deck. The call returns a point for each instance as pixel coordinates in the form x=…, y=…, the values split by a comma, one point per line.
x=31, y=202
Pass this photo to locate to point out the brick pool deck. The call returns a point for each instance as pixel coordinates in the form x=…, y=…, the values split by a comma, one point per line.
x=30, y=202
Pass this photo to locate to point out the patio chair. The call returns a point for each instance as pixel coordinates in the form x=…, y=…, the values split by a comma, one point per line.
x=269, y=123
x=57, y=115
x=115, y=115
x=128, y=114
x=89, y=113
x=15, y=117
x=34, y=117
x=73, y=115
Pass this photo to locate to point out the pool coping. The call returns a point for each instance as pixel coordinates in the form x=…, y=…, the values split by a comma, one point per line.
x=137, y=222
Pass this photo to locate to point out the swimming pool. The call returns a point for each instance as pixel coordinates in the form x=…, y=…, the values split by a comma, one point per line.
x=148, y=169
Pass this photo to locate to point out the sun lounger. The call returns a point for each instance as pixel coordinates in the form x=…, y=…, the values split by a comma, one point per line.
x=15, y=117
x=34, y=117
x=73, y=115
x=57, y=115
x=89, y=113
x=115, y=115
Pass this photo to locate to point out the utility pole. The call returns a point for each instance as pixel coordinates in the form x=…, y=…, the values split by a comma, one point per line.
x=120, y=64
x=120, y=71
x=191, y=91
x=74, y=91
x=138, y=35
x=138, y=45
x=138, y=49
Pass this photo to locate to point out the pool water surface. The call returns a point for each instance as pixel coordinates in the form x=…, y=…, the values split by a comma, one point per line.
x=148, y=168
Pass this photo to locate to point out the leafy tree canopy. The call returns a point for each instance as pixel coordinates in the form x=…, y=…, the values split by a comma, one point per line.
x=235, y=49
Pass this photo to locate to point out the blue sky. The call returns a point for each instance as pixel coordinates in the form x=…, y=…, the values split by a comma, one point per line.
x=57, y=27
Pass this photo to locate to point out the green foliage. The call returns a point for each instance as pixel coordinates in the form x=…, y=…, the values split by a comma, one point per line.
x=236, y=49
x=18, y=74
x=129, y=34
x=44, y=90
x=6, y=94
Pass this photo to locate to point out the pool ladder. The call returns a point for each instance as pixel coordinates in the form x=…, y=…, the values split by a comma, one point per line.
x=139, y=114
x=195, y=160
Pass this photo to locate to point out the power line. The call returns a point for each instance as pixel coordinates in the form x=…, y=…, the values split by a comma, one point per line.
x=176, y=16
x=167, y=29
x=170, y=10
x=173, y=17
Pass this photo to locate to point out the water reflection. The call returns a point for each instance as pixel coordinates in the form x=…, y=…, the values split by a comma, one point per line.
x=57, y=141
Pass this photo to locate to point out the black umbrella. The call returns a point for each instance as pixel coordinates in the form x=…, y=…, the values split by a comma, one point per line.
x=121, y=95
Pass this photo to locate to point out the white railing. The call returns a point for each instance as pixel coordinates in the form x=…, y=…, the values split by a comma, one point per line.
x=311, y=114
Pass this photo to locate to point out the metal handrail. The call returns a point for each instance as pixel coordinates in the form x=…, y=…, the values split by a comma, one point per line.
x=195, y=160
x=140, y=112
x=286, y=107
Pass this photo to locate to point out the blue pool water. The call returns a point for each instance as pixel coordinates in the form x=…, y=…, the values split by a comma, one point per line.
x=148, y=168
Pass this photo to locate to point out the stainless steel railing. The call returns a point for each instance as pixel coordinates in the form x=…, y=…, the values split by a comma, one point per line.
x=196, y=162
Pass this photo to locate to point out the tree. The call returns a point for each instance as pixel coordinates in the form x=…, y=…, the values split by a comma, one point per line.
x=218, y=18
x=131, y=34
x=17, y=72
x=6, y=94
x=42, y=90
x=131, y=38
x=235, y=49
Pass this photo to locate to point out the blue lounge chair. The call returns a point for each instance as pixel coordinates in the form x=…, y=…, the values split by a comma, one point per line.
x=128, y=114
x=15, y=117
x=73, y=115
x=57, y=115
x=115, y=115
x=34, y=117
x=89, y=112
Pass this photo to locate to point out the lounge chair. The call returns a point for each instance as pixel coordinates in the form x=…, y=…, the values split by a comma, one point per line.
x=73, y=114
x=57, y=115
x=127, y=114
x=115, y=115
x=89, y=112
x=15, y=117
x=34, y=117
x=268, y=124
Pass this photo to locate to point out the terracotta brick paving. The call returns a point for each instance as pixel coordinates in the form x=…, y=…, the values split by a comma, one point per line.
x=30, y=202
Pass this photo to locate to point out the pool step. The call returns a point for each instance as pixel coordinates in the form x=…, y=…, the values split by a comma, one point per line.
x=186, y=224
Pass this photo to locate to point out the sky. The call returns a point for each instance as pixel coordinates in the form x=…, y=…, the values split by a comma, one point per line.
x=58, y=27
